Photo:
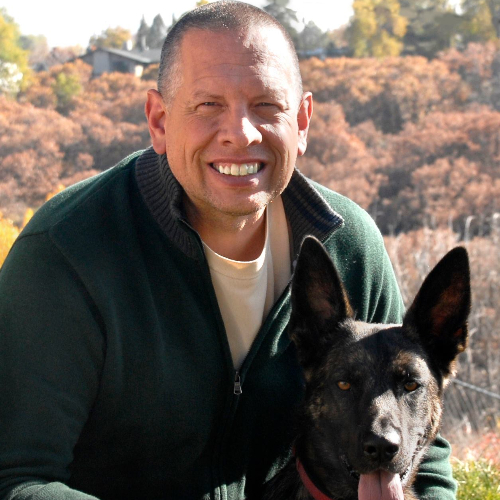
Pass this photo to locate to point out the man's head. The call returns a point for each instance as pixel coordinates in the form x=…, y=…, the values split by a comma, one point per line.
x=223, y=16
x=235, y=119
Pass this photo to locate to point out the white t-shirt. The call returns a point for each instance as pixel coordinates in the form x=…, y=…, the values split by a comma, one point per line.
x=246, y=291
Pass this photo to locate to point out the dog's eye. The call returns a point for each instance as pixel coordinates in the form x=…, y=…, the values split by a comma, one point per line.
x=343, y=385
x=411, y=386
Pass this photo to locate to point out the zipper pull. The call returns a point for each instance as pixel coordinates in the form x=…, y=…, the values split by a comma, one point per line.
x=237, y=384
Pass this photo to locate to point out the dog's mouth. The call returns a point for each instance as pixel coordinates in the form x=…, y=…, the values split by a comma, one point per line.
x=353, y=473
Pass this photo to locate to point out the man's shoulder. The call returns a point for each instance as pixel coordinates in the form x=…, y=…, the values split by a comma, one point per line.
x=359, y=254
x=87, y=198
x=356, y=219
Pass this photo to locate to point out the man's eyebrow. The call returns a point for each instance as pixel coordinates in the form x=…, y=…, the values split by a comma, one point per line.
x=280, y=95
x=203, y=94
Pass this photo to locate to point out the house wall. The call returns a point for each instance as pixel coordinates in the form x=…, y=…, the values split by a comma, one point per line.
x=105, y=62
x=117, y=63
x=101, y=63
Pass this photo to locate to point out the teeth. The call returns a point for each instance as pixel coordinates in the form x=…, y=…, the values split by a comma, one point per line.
x=238, y=170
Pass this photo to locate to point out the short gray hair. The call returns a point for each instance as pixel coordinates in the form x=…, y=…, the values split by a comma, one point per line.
x=219, y=16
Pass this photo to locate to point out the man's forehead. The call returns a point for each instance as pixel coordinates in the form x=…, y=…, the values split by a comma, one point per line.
x=225, y=54
x=262, y=44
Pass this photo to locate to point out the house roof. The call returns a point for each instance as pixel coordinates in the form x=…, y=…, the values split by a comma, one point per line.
x=149, y=56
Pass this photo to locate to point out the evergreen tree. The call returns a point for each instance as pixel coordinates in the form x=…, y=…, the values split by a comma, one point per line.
x=377, y=28
x=311, y=38
x=432, y=26
x=142, y=35
x=157, y=33
x=279, y=9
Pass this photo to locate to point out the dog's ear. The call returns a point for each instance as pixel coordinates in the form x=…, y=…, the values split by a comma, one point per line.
x=440, y=310
x=319, y=301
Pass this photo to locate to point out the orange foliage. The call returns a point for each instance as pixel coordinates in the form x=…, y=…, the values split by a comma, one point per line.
x=8, y=233
x=415, y=142
x=390, y=92
x=39, y=147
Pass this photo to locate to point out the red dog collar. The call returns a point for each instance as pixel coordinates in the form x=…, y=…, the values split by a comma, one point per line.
x=313, y=490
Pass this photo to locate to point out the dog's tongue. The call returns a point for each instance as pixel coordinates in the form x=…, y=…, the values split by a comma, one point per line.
x=380, y=485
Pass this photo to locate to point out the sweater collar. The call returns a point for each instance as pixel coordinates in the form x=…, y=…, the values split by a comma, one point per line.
x=307, y=212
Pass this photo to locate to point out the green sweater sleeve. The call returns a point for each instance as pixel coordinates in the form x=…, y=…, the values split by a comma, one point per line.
x=51, y=350
x=435, y=477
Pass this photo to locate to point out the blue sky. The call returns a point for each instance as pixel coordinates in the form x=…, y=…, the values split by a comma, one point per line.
x=67, y=23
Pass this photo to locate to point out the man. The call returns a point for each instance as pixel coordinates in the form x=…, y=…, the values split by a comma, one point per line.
x=143, y=344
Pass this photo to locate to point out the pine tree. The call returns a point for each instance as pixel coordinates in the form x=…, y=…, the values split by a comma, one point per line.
x=432, y=26
x=287, y=17
x=157, y=33
x=142, y=35
x=311, y=37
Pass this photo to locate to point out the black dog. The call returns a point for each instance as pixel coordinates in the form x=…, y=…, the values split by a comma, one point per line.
x=373, y=396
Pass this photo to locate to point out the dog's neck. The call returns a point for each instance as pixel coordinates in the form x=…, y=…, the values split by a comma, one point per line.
x=308, y=483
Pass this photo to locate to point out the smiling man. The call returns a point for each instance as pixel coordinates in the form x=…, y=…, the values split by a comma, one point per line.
x=231, y=131
x=143, y=312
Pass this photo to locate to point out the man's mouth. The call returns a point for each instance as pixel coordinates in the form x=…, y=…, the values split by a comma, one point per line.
x=237, y=169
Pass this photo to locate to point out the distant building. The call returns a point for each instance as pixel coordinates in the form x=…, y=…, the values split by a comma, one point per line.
x=105, y=60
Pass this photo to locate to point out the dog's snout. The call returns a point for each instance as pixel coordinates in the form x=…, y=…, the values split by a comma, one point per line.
x=381, y=449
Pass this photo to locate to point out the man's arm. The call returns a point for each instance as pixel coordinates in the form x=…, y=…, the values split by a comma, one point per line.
x=51, y=351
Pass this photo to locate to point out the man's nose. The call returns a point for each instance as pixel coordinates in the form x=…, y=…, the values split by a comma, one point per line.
x=238, y=129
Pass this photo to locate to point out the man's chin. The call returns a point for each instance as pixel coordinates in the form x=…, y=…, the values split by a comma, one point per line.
x=243, y=207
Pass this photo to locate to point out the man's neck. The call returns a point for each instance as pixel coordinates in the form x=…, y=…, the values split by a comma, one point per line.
x=239, y=238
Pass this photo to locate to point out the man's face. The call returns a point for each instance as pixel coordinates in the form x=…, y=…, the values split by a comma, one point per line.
x=236, y=111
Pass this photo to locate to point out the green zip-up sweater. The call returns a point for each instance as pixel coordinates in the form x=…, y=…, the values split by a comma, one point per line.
x=116, y=378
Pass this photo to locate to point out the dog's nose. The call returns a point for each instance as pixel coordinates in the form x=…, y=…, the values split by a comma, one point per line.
x=381, y=448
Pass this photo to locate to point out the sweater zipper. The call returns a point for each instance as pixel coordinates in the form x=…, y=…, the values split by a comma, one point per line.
x=237, y=383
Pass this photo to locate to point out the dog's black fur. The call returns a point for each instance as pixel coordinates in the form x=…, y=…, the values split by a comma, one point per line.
x=373, y=396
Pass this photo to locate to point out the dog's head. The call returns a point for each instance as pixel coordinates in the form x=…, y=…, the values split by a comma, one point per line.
x=373, y=392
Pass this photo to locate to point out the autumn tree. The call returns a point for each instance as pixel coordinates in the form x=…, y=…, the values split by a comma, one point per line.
x=377, y=28
x=390, y=92
x=37, y=47
x=8, y=234
x=481, y=20
x=58, y=87
x=14, y=67
x=479, y=68
x=111, y=38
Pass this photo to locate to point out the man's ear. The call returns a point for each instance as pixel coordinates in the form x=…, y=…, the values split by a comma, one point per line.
x=303, y=119
x=156, y=114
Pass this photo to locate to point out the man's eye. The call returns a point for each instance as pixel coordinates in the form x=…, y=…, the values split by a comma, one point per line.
x=209, y=104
